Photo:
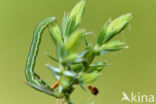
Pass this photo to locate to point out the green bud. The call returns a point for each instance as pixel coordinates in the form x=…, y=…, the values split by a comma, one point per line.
x=64, y=82
x=55, y=33
x=98, y=66
x=98, y=69
x=72, y=42
x=72, y=20
x=102, y=33
x=70, y=58
x=77, y=67
x=89, y=77
x=116, y=26
x=113, y=46
x=77, y=12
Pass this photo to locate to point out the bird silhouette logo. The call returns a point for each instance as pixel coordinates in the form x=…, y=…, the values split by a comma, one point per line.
x=125, y=97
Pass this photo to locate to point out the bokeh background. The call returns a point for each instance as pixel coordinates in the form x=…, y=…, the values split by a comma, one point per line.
x=133, y=69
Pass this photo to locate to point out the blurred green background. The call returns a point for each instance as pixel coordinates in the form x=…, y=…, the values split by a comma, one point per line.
x=133, y=69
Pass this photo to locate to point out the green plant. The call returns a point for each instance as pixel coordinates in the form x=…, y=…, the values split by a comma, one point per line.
x=74, y=68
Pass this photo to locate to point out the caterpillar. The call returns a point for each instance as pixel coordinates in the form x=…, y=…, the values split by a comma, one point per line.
x=33, y=78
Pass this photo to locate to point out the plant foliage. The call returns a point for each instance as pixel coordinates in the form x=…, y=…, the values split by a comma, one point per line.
x=74, y=68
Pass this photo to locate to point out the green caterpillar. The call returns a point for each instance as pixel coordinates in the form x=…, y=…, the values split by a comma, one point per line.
x=32, y=78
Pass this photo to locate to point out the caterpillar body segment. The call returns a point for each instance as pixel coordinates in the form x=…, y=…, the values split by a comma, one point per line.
x=32, y=77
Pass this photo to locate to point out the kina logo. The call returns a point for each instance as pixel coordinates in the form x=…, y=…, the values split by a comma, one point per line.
x=137, y=98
